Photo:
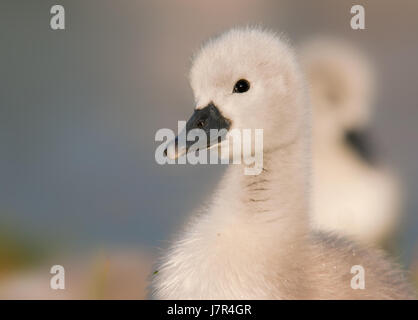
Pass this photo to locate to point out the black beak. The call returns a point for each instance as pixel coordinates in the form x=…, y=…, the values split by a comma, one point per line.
x=203, y=119
x=361, y=142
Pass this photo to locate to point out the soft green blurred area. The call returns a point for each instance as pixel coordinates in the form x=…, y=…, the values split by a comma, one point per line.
x=79, y=109
x=19, y=251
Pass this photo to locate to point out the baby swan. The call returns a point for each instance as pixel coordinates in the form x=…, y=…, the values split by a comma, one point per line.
x=253, y=240
x=352, y=194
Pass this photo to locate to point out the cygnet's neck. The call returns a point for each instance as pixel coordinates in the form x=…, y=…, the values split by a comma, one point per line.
x=240, y=247
x=255, y=223
x=279, y=194
x=270, y=208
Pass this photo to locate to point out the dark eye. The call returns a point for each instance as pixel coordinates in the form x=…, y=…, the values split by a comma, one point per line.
x=241, y=86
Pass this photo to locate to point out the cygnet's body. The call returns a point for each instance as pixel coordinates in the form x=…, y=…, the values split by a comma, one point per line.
x=253, y=239
x=353, y=195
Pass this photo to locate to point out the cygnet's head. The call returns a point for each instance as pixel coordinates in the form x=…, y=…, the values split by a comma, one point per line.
x=341, y=80
x=247, y=79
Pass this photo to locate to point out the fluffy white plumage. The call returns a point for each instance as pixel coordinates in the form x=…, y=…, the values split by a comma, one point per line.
x=252, y=240
x=351, y=196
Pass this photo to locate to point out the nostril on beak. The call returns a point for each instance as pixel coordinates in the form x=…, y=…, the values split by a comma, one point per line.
x=201, y=123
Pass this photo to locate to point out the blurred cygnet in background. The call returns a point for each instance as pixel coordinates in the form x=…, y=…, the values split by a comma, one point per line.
x=353, y=194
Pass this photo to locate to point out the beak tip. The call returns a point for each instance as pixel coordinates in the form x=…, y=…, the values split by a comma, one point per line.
x=171, y=154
